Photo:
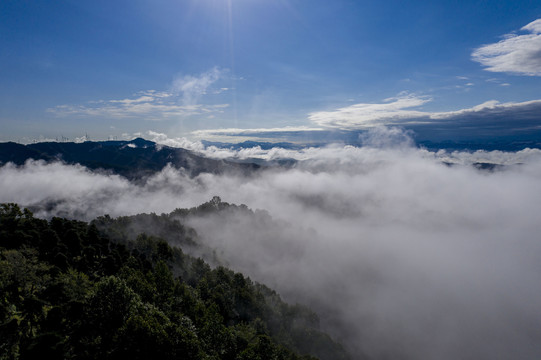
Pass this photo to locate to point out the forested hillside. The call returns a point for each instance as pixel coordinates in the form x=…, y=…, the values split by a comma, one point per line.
x=172, y=227
x=69, y=289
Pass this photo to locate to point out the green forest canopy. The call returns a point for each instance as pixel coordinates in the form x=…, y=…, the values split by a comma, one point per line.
x=69, y=289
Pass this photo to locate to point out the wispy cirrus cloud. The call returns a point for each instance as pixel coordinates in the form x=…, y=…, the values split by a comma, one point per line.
x=182, y=100
x=193, y=87
x=515, y=54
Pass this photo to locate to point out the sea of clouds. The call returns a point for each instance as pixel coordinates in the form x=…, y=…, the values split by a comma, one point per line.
x=405, y=253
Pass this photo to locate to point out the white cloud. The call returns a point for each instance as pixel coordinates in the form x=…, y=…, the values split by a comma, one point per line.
x=363, y=115
x=215, y=152
x=375, y=138
x=287, y=134
x=515, y=54
x=193, y=87
x=147, y=110
x=178, y=142
x=204, y=134
x=492, y=106
x=181, y=102
x=398, y=111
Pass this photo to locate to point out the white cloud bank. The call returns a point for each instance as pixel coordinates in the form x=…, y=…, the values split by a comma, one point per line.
x=375, y=138
x=403, y=256
x=393, y=111
x=179, y=102
x=398, y=111
x=515, y=54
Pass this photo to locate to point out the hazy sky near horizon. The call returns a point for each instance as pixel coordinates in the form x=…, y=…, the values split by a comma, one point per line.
x=215, y=68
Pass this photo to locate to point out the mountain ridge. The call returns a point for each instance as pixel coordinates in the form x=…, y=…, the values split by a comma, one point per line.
x=134, y=159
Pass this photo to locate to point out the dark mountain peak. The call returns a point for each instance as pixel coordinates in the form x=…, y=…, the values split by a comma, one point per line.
x=142, y=143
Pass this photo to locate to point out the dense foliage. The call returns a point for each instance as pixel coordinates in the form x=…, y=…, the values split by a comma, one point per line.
x=69, y=290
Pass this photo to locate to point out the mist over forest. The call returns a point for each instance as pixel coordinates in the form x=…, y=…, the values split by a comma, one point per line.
x=403, y=252
x=270, y=180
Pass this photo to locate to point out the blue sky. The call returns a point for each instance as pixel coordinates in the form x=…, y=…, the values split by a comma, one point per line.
x=233, y=69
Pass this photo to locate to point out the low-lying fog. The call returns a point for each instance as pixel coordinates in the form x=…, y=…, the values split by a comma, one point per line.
x=403, y=255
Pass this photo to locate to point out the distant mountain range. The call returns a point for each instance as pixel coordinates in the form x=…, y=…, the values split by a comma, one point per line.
x=140, y=158
x=422, y=139
x=133, y=159
x=502, y=145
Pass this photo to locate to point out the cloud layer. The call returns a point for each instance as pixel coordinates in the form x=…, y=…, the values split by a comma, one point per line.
x=490, y=118
x=402, y=255
x=515, y=54
x=393, y=111
x=181, y=101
